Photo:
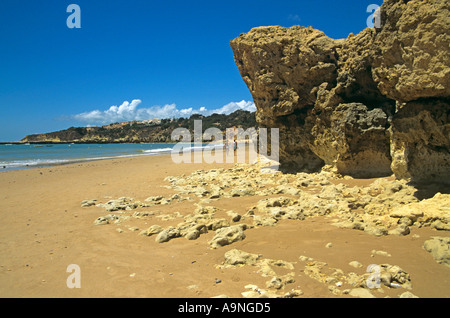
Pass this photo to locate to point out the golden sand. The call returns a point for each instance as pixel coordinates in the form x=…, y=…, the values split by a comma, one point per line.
x=44, y=229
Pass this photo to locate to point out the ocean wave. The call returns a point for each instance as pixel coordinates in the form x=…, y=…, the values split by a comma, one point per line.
x=158, y=150
x=31, y=163
x=16, y=163
x=184, y=148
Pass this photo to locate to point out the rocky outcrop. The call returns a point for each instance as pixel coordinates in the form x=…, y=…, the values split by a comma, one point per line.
x=354, y=139
x=412, y=55
x=372, y=104
x=420, y=140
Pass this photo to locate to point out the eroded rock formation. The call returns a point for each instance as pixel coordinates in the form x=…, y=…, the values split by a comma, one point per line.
x=372, y=104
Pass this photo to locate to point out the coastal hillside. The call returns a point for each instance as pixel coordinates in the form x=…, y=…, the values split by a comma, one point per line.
x=370, y=105
x=143, y=131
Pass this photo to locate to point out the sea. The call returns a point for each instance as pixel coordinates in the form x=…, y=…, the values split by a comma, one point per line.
x=25, y=156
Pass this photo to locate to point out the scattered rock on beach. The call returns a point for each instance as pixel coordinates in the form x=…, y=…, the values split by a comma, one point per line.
x=87, y=203
x=122, y=203
x=167, y=234
x=235, y=217
x=227, y=235
x=267, y=268
x=107, y=219
x=152, y=230
x=397, y=276
x=402, y=229
x=375, y=230
x=355, y=264
x=361, y=293
x=381, y=253
x=241, y=192
x=278, y=282
x=439, y=247
x=408, y=294
x=236, y=257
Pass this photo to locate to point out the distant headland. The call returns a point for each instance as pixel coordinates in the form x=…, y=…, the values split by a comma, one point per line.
x=154, y=130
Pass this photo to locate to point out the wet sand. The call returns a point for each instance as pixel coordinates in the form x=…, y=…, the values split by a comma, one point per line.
x=44, y=229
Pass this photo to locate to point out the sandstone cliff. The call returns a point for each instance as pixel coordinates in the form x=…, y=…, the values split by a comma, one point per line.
x=370, y=105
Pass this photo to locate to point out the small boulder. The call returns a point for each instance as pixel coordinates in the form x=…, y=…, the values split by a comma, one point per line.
x=106, y=219
x=167, y=234
x=361, y=293
x=401, y=230
x=87, y=203
x=355, y=264
x=236, y=257
x=408, y=294
x=154, y=229
x=439, y=247
x=227, y=235
x=192, y=235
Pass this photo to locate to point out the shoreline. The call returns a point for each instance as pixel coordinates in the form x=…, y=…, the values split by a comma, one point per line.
x=75, y=143
x=44, y=229
x=64, y=161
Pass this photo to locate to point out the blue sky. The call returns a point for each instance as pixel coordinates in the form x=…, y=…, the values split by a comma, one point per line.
x=146, y=57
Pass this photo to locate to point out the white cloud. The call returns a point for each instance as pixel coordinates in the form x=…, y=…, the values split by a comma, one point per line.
x=125, y=112
x=231, y=107
x=130, y=111
x=294, y=18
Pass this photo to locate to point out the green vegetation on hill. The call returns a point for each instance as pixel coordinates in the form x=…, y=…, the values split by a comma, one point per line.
x=134, y=132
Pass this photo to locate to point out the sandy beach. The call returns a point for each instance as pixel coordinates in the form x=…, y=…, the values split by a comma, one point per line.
x=44, y=229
